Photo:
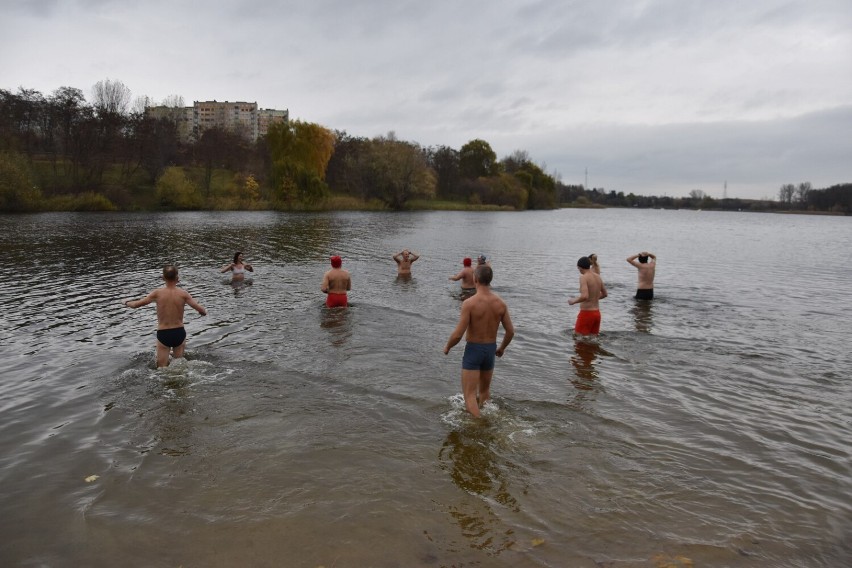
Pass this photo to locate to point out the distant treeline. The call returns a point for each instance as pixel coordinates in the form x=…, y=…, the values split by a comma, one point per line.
x=836, y=199
x=62, y=152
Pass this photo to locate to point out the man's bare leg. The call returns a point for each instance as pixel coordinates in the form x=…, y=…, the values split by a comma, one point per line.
x=162, y=355
x=178, y=351
x=485, y=386
x=470, y=384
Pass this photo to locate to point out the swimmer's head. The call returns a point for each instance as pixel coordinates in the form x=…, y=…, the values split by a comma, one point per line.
x=584, y=262
x=483, y=275
x=481, y=259
x=336, y=261
x=170, y=273
x=643, y=258
x=237, y=256
x=467, y=262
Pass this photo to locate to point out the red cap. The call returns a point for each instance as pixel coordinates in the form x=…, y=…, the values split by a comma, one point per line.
x=336, y=261
x=466, y=262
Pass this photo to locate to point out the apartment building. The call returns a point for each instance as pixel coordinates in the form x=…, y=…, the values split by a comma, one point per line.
x=240, y=117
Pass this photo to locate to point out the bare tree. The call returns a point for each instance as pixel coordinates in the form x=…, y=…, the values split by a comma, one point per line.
x=110, y=98
x=785, y=193
x=174, y=101
x=802, y=192
x=140, y=104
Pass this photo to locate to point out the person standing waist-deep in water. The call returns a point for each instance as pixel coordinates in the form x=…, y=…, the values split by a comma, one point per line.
x=238, y=267
x=593, y=259
x=466, y=276
x=481, y=317
x=404, y=259
x=171, y=335
x=645, y=289
x=336, y=283
x=592, y=289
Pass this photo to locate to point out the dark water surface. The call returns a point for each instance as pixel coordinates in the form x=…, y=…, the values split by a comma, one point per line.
x=708, y=428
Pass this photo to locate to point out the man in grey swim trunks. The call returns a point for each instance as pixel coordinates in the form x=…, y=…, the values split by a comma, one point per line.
x=171, y=335
x=481, y=316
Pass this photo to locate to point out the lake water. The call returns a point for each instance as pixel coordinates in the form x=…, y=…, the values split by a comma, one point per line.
x=710, y=427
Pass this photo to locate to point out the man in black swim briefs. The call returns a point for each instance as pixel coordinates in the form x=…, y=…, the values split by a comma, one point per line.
x=481, y=317
x=170, y=300
x=647, y=270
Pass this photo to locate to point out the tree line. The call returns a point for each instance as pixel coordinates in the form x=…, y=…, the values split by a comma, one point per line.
x=62, y=152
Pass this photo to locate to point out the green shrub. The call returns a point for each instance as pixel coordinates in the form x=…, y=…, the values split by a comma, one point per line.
x=89, y=201
x=174, y=189
x=17, y=192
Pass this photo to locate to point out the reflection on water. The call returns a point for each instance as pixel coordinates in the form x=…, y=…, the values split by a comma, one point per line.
x=475, y=466
x=719, y=434
x=585, y=378
x=642, y=312
x=240, y=286
x=406, y=282
x=337, y=322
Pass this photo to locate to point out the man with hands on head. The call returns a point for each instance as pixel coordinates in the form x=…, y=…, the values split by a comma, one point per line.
x=645, y=288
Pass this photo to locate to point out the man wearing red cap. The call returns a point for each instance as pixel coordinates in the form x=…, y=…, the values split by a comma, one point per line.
x=466, y=277
x=336, y=283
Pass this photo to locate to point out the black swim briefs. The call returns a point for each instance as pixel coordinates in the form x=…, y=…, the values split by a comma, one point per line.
x=645, y=294
x=171, y=337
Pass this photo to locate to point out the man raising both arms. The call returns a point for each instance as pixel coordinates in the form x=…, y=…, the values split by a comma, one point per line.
x=645, y=290
x=592, y=289
x=403, y=259
x=336, y=283
x=481, y=316
x=171, y=335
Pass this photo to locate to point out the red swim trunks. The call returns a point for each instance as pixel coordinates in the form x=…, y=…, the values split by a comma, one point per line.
x=336, y=300
x=588, y=322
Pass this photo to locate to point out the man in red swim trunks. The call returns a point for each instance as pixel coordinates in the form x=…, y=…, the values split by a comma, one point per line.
x=592, y=289
x=336, y=283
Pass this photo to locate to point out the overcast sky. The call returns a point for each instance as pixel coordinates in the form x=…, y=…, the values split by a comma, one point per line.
x=653, y=97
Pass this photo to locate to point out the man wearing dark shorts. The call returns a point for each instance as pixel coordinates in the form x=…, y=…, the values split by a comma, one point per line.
x=647, y=270
x=171, y=335
x=481, y=317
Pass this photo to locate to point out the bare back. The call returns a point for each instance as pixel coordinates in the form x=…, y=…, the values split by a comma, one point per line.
x=170, y=304
x=336, y=281
x=592, y=289
x=466, y=277
x=646, y=274
x=485, y=312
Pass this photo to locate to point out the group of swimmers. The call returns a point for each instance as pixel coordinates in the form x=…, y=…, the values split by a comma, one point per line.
x=482, y=313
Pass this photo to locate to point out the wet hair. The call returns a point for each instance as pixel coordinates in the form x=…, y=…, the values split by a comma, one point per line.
x=237, y=256
x=170, y=272
x=584, y=262
x=483, y=274
x=336, y=261
x=466, y=262
x=643, y=259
